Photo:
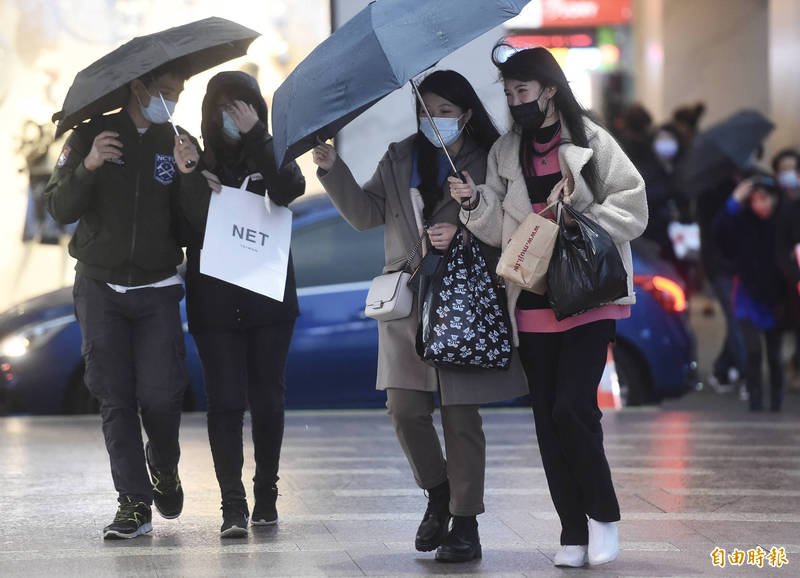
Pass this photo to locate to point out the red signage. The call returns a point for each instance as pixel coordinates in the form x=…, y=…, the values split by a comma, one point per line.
x=579, y=40
x=568, y=13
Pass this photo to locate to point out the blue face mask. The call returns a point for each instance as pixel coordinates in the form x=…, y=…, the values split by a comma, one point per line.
x=448, y=129
x=788, y=179
x=229, y=127
x=155, y=112
x=666, y=147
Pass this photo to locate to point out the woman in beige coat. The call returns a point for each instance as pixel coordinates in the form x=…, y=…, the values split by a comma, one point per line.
x=408, y=195
x=555, y=152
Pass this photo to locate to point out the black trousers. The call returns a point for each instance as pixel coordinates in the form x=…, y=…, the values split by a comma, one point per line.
x=133, y=348
x=564, y=370
x=773, y=340
x=242, y=366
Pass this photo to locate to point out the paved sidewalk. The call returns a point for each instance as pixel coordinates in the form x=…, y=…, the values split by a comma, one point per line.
x=697, y=474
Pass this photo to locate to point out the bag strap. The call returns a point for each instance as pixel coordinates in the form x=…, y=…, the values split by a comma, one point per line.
x=411, y=255
x=550, y=206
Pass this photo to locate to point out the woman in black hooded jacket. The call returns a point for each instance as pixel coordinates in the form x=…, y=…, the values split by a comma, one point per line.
x=242, y=337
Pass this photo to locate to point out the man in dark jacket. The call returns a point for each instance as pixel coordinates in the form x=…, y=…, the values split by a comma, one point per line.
x=119, y=175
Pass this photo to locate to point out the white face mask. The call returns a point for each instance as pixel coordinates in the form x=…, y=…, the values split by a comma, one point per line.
x=229, y=127
x=666, y=147
x=788, y=179
x=448, y=129
x=155, y=112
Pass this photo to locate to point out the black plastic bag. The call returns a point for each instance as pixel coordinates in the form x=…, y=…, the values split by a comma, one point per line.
x=586, y=270
x=464, y=323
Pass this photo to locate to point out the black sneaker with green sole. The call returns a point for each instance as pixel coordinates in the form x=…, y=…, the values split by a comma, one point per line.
x=133, y=519
x=167, y=490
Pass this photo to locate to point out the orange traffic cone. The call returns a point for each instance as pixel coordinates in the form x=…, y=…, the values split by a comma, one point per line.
x=608, y=391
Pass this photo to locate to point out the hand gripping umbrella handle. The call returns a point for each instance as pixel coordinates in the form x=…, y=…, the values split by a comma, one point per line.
x=190, y=163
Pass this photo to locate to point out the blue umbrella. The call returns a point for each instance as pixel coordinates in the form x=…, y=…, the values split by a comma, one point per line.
x=376, y=52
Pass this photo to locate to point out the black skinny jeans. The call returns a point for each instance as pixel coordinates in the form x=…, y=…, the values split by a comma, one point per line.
x=752, y=340
x=241, y=367
x=564, y=370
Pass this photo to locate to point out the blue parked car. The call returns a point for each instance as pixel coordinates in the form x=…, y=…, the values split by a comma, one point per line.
x=332, y=361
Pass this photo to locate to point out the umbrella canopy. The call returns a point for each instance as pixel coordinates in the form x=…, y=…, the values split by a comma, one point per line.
x=376, y=52
x=723, y=147
x=103, y=86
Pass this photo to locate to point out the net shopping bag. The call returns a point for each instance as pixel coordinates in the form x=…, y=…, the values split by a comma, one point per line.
x=247, y=241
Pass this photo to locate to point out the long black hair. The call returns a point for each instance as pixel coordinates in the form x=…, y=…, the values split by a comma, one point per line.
x=539, y=64
x=453, y=87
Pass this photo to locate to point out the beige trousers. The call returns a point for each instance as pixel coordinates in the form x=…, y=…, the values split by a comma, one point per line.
x=465, y=444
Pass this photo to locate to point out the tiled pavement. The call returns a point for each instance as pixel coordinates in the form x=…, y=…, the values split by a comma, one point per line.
x=694, y=475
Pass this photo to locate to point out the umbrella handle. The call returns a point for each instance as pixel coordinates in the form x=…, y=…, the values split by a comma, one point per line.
x=190, y=163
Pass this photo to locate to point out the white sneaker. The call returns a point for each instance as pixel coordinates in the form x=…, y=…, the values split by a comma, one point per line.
x=571, y=556
x=718, y=386
x=744, y=395
x=603, y=542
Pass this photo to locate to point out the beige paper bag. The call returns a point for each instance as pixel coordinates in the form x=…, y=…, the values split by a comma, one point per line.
x=525, y=259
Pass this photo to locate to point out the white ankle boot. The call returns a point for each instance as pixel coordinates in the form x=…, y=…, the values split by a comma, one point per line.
x=571, y=556
x=603, y=542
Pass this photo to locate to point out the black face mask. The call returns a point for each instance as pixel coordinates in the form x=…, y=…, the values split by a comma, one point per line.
x=528, y=115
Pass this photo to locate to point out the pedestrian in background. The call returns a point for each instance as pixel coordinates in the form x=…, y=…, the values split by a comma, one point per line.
x=637, y=140
x=669, y=153
x=745, y=229
x=786, y=168
x=408, y=195
x=686, y=121
x=120, y=175
x=719, y=268
x=242, y=337
x=554, y=152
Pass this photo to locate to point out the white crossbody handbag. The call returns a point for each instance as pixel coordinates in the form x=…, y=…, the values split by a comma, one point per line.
x=389, y=295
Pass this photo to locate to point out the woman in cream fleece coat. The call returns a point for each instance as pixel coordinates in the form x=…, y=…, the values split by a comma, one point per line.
x=554, y=152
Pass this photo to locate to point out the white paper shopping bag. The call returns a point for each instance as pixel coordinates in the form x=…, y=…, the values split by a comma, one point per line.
x=247, y=241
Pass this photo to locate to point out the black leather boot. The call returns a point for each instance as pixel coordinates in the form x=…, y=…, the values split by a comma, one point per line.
x=433, y=528
x=462, y=544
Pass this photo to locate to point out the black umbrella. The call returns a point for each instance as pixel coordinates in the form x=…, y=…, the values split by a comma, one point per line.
x=722, y=148
x=376, y=52
x=103, y=86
